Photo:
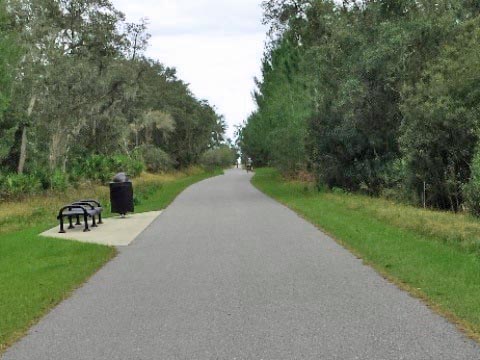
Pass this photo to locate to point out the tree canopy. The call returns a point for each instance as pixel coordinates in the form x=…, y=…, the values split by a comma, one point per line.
x=375, y=96
x=75, y=82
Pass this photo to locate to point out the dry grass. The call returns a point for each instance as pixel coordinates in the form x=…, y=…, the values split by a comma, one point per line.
x=461, y=229
x=18, y=214
x=428, y=253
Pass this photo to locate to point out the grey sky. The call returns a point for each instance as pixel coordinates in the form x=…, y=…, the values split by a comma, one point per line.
x=215, y=45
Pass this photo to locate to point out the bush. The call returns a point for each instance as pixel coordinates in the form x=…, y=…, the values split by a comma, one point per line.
x=133, y=166
x=155, y=159
x=56, y=180
x=15, y=185
x=471, y=191
x=392, y=177
x=96, y=168
x=222, y=157
x=102, y=168
x=59, y=181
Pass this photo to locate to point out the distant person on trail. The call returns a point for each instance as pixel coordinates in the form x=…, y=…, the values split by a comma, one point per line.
x=249, y=164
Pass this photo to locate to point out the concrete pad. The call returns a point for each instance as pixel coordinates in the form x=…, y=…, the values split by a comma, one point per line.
x=115, y=231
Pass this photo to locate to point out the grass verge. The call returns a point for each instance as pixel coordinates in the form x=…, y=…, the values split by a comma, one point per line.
x=433, y=255
x=37, y=273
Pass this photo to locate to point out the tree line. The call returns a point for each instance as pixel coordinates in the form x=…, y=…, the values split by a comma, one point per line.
x=77, y=91
x=375, y=96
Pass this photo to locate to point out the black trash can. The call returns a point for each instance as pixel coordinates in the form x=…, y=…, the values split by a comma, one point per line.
x=121, y=195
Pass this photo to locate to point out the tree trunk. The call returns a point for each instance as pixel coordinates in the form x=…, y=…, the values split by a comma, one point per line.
x=23, y=150
x=54, y=151
x=23, y=145
x=64, y=164
x=148, y=135
x=56, y=145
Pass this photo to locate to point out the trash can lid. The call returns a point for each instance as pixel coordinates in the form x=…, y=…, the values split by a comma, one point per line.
x=121, y=177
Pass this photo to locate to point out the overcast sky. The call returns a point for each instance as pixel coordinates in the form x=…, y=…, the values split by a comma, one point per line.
x=216, y=46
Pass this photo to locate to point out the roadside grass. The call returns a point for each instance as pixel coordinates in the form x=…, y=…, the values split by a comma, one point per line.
x=151, y=199
x=37, y=210
x=37, y=273
x=433, y=255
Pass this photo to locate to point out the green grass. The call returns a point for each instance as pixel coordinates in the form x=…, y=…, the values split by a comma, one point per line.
x=37, y=273
x=434, y=255
x=152, y=199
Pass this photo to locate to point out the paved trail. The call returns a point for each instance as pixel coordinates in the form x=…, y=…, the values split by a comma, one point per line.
x=227, y=273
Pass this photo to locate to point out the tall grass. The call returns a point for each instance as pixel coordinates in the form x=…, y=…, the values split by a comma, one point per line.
x=41, y=209
x=432, y=254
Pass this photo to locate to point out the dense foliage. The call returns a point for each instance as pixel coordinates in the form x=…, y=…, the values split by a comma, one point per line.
x=221, y=157
x=77, y=93
x=378, y=96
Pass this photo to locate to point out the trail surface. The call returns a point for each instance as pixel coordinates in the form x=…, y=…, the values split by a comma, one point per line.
x=227, y=273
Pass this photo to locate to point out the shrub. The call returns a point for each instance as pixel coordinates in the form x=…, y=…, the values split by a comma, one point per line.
x=222, y=157
x=155, y=159
x=471, y=191
x=43, y=176
x=392, y=177
x=51, y=180
x=94, y=167
x=133, y=166
x=102, y=168
x=18, y=185
x=59, y=181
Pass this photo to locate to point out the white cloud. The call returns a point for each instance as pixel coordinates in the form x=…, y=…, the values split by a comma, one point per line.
x=215, y=45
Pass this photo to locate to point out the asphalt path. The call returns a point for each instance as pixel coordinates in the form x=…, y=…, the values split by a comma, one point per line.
x=228, y=273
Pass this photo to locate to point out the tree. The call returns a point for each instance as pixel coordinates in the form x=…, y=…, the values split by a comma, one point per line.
x=80, y=85
x=8, y=58
x=441, y=125
x=361, y=92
